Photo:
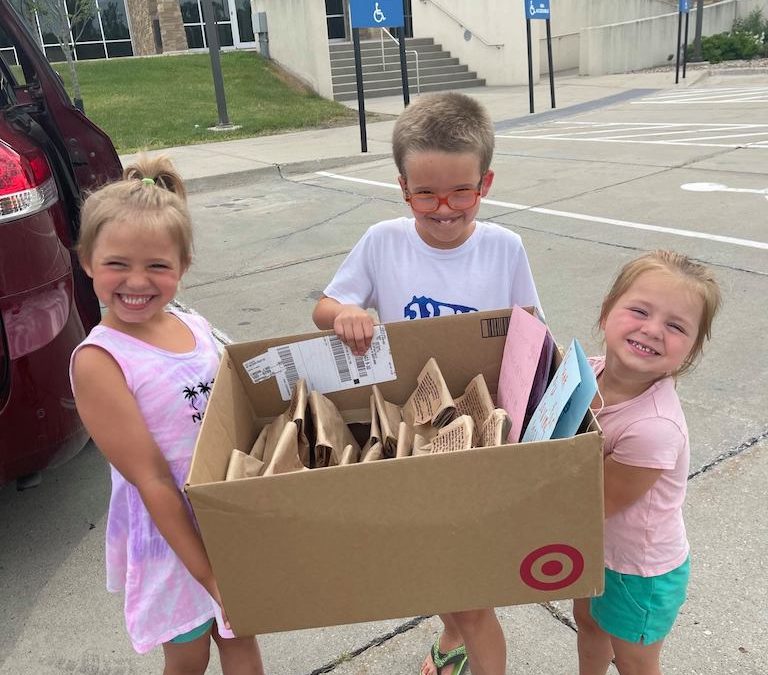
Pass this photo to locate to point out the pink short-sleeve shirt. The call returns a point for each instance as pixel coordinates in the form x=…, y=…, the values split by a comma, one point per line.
x=648, y=538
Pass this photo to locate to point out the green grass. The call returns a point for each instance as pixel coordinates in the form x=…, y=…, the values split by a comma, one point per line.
x=156, y=102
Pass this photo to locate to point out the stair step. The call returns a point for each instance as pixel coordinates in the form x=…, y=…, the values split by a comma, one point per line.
x=410, y=43
x=397, y=91
x=424, y=66
x=392, y=57
x=378, y=75
x=395, y=81
x=438, y=70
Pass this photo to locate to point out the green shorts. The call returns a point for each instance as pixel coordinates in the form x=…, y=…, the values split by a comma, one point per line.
x=640, y=609
x=193, y=634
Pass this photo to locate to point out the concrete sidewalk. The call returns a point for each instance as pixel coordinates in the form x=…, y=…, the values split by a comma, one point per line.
x=228, y=163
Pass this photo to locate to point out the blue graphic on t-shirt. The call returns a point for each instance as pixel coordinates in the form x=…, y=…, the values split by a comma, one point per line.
x=424, y=308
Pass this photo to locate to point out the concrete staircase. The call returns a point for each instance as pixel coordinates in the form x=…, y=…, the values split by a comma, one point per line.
x=438, y=70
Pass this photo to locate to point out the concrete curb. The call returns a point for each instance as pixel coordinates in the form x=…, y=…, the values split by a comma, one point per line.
x=221, y=181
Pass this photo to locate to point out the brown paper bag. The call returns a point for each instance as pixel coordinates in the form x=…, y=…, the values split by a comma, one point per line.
x=332, y=434
x=476, y=402
x=454, y=436
x=243, y=466
x=404, y=441
x=285, y=458
x=431, y=402
x=372, y=452
x=389, y=417
x=267, y=440
x=350, y=455
x=494, y=430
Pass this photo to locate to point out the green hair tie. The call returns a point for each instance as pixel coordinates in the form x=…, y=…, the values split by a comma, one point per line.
x=148, y=181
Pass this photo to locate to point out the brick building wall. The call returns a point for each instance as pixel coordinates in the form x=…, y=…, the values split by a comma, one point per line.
x=171, y=25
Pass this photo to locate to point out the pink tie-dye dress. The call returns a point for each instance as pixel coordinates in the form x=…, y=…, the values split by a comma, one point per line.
x=162, y=600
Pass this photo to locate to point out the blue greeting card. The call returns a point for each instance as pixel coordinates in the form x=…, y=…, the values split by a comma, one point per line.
x=567, y=399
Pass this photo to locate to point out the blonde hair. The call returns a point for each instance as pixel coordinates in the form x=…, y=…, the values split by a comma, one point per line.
x=445, y=122
x=150, y=196
x=697, y=277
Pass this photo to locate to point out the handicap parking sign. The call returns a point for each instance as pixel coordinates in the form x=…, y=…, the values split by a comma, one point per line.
x=537, y=9
x=684, y=6
x=376, y=13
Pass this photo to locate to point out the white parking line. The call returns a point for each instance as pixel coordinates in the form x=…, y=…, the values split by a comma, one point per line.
x=735, y=241
x=715, y=96
x=689, y=134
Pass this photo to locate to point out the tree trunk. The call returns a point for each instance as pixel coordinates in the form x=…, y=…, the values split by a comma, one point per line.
x=697, y=36
x=77, y=96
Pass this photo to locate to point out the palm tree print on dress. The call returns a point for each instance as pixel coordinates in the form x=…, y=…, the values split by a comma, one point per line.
x=193, y=395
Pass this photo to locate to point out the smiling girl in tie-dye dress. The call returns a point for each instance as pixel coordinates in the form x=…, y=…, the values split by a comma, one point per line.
x=141, y=381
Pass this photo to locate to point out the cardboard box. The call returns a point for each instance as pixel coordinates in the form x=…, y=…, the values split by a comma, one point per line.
x=487, y=527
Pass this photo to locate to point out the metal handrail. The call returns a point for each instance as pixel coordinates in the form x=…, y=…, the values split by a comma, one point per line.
x=464, y=26
x=408, y=51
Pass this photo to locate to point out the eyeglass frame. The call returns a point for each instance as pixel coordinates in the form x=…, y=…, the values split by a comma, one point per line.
x=444, y=200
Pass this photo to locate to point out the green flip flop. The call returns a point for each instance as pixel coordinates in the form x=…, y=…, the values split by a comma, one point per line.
x=456, y=657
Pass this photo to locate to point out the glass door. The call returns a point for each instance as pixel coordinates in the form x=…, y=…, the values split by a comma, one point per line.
x=335, y=19
x=242, y=23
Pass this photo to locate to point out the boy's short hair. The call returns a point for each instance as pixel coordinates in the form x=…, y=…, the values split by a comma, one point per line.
x=444, y=122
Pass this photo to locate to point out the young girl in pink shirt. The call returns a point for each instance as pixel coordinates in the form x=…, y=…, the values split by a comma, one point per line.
x=141, y=381
x=655, y=320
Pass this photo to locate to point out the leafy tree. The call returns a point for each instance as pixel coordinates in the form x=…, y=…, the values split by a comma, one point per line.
x=66, y=20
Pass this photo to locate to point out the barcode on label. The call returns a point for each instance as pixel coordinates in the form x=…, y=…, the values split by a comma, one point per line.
x=362, y=365
x=291, y=374
x=494, y=327
x=340, y=358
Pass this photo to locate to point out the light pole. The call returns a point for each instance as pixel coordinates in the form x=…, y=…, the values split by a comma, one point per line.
x=697, y=56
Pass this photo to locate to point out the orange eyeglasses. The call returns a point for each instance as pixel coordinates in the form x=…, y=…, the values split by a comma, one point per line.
x=458, y=200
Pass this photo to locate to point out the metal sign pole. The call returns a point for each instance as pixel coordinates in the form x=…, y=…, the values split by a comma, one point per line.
x=685, y=45
x=551, y=67
x=360, y=93
x=403, y=66
x=677, y=52
x=211, y=34
x=530, y=64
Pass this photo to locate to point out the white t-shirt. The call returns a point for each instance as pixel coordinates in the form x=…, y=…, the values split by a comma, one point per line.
x=392, y=270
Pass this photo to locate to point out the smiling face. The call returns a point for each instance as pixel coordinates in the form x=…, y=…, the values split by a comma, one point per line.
x=440, y=173
x=652, y=327
x=135, y=273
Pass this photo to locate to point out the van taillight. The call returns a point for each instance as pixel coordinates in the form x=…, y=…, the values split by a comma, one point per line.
x=26, y=183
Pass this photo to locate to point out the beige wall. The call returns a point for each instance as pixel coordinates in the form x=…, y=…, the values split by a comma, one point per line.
x=500, y=22
x=298, y=40
x=631, y=45
x=570, y=17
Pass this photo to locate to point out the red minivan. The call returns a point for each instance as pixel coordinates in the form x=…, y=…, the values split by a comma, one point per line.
x=50, y=155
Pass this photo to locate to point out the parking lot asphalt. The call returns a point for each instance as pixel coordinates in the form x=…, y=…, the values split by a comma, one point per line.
x=626, y=163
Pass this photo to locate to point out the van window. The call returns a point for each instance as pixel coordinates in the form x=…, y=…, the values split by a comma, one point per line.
x=10, y=71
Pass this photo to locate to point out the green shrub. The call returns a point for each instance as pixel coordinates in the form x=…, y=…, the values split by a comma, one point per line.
x=753, y=23
x=731, y=46
x=747, y=39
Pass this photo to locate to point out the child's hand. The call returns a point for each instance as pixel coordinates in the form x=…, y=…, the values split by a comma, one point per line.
x=213, y=589
x=354, y=326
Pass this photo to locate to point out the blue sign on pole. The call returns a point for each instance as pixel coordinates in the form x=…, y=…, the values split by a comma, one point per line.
x=537, y=9
x=684, y=6
x=377, y=13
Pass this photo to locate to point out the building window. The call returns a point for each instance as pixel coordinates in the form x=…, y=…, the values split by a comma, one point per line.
x=192, y=16
x=105, y=34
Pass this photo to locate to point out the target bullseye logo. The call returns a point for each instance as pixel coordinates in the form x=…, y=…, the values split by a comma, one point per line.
x=552, y=567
